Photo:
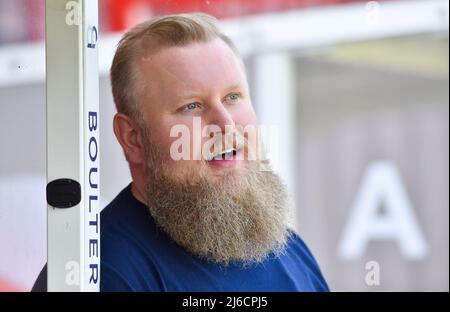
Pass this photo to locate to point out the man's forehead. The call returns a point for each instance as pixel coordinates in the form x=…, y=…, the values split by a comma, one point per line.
x=194, y=67
x=210, y=47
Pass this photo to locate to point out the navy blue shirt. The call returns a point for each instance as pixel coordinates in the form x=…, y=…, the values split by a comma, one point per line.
x=137, y=256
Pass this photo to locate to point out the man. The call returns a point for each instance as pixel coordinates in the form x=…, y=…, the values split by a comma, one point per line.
x=214, y=218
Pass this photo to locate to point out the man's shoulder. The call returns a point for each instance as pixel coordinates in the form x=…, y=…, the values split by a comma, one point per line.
x=295, y=241
x=126, y=224
x=297, y=247
x=299, y=252
x=126, y=213
x=130, y=245
x=113, y=211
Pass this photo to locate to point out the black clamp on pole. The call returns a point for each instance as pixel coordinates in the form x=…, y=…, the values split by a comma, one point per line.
x=63, y=193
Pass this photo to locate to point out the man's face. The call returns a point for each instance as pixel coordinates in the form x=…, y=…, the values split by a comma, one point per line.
x=204, y=80
x=222, y=210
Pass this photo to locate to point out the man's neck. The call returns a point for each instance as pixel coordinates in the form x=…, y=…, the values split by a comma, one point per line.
x=138, y=193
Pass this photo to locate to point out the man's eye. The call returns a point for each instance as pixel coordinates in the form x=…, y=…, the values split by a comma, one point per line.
x=191, y=106
x=234, y=96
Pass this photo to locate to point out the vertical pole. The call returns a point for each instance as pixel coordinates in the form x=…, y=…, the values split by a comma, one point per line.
x=273, y=78
x=72, y=145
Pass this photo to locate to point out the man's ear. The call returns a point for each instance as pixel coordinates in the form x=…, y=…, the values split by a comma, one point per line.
x=129, y=136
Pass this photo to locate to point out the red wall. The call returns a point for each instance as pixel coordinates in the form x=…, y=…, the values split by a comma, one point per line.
x=118, y=14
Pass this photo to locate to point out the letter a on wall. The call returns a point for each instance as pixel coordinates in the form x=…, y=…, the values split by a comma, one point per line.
x=382, y=185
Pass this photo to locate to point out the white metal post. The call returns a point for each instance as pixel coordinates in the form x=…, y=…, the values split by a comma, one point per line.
x=72, y=145
x=275, y=107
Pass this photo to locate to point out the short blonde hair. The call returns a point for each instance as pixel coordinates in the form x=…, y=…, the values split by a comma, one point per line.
x=154, y=34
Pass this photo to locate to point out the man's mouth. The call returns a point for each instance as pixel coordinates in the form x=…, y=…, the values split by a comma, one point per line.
x=226, y=158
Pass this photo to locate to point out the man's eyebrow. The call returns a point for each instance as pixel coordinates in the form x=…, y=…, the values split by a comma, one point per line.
x=235, y=86
x=197, y=95
x=188, y=96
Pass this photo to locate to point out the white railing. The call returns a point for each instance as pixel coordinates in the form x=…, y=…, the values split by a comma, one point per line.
x=268, y=33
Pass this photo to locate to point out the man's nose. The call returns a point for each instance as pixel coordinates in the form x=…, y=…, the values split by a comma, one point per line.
x=220, y=116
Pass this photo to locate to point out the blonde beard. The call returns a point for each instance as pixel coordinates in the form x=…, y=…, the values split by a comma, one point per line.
x=242, y=219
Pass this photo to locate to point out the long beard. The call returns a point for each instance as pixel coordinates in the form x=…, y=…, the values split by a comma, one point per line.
x=242, y=219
